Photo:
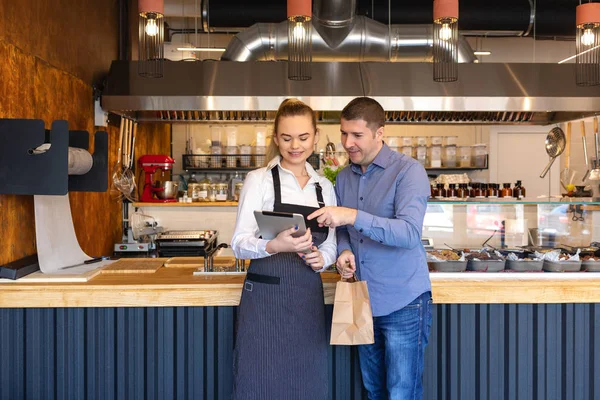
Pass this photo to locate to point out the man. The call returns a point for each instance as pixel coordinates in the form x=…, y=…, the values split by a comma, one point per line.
x=383, y=198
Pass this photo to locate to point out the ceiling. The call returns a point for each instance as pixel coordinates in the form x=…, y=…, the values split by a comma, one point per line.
x=546, y=19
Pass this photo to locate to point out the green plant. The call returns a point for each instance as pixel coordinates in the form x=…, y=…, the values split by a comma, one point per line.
x=331, y=174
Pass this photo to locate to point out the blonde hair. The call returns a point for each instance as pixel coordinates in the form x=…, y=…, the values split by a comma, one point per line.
x=288, y=108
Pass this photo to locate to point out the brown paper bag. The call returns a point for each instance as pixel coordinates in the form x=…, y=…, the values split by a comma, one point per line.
x=352, y=321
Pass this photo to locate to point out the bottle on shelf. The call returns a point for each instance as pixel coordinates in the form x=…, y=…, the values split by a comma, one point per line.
x=519, y=191
x=441, y=191
x=506, y=191
x=232, y=185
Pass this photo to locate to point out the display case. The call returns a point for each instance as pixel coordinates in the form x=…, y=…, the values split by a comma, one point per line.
x=567, y=225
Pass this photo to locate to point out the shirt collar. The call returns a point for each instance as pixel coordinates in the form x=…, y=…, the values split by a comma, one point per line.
x=382, y=159
x=276, y=161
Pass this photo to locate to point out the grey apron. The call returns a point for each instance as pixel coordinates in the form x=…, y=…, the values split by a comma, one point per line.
x=281, y=338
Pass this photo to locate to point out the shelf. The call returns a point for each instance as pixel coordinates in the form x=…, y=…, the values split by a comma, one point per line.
x=530, y=202
x=198, y=204
x=456, y=169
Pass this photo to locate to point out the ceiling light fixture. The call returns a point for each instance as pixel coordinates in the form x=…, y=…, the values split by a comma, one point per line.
x=299, y=14
x=587, y=44
x=211, y=49
x=151, y=38
x=445, y=40
x=482, y=53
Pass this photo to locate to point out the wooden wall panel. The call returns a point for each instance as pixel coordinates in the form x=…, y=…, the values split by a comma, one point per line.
x=51, y=52
x=75, y=36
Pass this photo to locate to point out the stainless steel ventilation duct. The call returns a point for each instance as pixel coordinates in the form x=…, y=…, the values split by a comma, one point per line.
x=339, y=35
x=251, y=91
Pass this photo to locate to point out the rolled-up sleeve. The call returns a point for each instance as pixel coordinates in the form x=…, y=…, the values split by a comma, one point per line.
x=410, y=205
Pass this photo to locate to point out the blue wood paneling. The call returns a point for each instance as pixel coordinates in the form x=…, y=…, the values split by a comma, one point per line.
x=475, y=352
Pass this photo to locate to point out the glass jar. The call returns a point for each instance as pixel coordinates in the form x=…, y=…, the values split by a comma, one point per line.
x=450, y=157
x=434, y=191
x=484, y=190
x=193, y=191
x=422, y=155
x=435, y=156
x=212, y=192
x=441, y=191
x=452, y=191
x=464, y=158
x=203, y=190
x=221, y=191
x=237, y=191
x=480, y=155
x=506, y=191
x=462, y=191
x=519, y=191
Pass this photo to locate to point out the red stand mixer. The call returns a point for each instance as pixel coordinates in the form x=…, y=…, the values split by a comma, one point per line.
x=150, y=164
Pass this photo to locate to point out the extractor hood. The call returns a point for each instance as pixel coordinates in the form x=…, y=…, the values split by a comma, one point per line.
x=206, y=91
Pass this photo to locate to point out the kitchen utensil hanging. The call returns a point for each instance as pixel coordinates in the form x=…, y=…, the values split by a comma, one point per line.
x=585, y=154
x=555, y=145
x=565, y=174
x=123, y=177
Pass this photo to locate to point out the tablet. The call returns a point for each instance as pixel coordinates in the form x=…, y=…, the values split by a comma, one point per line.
x=271, y=223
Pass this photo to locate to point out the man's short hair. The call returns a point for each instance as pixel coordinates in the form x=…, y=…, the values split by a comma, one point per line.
x=368, y=110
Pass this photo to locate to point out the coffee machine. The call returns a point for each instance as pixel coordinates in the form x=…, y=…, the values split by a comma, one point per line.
x=150, y=164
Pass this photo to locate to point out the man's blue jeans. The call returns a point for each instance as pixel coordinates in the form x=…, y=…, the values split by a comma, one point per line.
x=392, y=367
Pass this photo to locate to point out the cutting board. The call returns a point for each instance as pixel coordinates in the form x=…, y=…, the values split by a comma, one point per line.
x=134, y=266
x=194, y=262
x=39, y=277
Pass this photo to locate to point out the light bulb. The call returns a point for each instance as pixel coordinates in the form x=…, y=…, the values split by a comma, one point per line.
x=445, y=32
x=151, y=27
x=588, y=38
x=298, y=31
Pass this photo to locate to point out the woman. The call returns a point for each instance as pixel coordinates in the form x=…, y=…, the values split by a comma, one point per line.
x=281, y=340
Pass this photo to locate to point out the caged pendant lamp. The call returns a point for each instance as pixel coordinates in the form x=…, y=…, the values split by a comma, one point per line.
x=588, y=44
x=445, y=40
x=151, y=38
x=299, y=39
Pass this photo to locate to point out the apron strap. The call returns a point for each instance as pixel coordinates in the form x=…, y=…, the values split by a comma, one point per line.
x=277, y=189
x=319, y=191
x=276, y=186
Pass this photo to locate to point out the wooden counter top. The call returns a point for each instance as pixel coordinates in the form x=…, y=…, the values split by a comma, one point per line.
x=179, y=287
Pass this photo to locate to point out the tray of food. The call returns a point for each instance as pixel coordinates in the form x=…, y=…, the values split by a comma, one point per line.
x=485, y=261
x=562, y=266
x=445, y=261
x=525, y=265
x=590, y=263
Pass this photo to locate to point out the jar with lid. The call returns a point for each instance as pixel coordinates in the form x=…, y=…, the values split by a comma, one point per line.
x=237, y=191
x=450, y=157
x=480, y=155
x=221, y=191
x=493, y=191
x=203, y=190
x=441, y=191
x=422, y=155
x=464, y=159
x=435, y=156
x=193, y=190
x=452, y=191
x=506, y=191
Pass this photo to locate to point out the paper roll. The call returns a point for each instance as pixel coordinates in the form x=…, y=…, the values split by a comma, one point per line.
x=57, y=244
x=80, y=161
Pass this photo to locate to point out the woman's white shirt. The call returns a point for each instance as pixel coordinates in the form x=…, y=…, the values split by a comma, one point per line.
x=258, y=194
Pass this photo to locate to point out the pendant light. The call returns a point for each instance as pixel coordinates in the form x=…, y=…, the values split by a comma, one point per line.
x=151, y=38
x=445, y=40
x=299, y=39
x=588, y=44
